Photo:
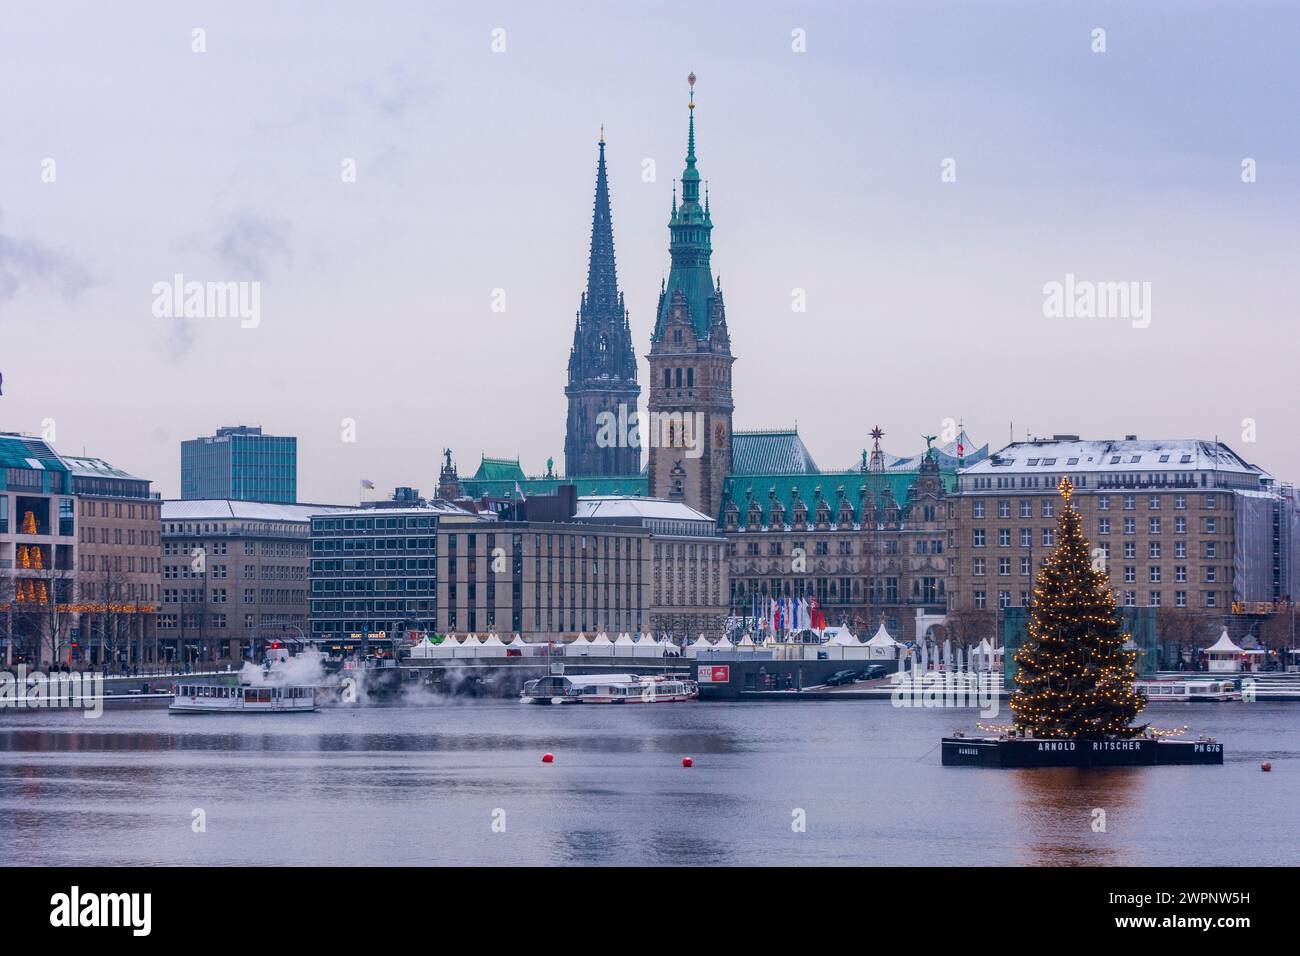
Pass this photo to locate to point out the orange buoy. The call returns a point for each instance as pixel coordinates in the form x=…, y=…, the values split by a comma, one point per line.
x=1266, y=766
x=688, y=762
x=548, y=757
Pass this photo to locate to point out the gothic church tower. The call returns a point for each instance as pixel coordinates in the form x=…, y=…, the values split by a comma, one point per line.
x=602, y=362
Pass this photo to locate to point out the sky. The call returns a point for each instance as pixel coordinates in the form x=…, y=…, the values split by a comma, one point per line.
x=829, y=134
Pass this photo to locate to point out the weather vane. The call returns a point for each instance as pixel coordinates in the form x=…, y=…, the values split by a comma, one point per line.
x=691, y=80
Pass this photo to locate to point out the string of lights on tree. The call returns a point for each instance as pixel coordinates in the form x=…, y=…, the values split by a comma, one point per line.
x=1074, y=679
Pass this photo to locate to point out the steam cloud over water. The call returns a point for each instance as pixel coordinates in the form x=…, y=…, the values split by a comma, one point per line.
x=307, y=667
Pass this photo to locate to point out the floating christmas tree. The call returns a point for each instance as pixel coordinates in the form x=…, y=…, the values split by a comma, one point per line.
x=1074, y=679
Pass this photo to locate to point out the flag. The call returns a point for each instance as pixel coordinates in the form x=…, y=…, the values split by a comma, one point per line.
x=367, y=483
x=520, y=492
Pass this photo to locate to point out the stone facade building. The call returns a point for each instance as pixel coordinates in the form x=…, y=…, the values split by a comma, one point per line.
x=234, y=574
x=544, y=580
x=119, y=563
x=1182, y=524
x=868, y=545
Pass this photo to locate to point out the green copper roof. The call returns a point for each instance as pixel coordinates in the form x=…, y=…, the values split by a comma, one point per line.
x=505, y=487
x=830, y=482
x=689, y=248
x=17, y=451
x=770, y=452
x=499, y=469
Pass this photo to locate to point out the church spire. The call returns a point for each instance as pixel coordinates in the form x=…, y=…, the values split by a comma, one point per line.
x=602, y=362
x=602, y=276
x=689, y=227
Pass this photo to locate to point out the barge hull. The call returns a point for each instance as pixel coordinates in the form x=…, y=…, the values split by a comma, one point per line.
x=1141, y=752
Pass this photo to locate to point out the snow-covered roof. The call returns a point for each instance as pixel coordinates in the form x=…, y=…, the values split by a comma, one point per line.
x=95, y=468
x=609, y=507
x=1070, y=454
x=209, y=509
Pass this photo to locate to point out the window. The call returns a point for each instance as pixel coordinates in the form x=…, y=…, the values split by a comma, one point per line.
x=1004, y=509
x=977, y=509
x=1026, y=537
x=1103, y=502
x=1103, y=526
x=1026, y=508
x=978, y=541
x=1004, y=537
x=981, y=600
x=1004, y=567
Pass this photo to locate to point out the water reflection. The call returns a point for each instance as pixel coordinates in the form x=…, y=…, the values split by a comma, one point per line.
x=1055, y=808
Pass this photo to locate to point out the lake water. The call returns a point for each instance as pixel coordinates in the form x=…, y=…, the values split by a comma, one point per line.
x=435, y=784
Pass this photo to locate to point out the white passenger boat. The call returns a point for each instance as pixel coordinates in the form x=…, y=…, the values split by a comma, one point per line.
x=243, y=699
x=1189, y=690
x=608, y=689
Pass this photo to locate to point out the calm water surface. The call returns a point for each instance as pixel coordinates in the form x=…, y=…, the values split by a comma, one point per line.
x=421, y=785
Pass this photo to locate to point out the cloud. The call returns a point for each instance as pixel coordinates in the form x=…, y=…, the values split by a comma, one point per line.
x=26, y=263
x=251, y=243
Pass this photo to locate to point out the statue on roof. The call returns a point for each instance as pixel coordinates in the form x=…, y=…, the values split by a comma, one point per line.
x=929, y=442
x=550, y=467
x=446, y=455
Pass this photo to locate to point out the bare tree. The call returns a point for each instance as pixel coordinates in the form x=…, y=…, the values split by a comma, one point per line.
x=1186, y=629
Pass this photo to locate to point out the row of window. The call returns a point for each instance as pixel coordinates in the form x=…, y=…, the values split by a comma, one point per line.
x=1127, y=598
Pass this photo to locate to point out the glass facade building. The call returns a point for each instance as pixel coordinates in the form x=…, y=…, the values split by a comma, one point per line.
x=242, y=464
x=374, y=573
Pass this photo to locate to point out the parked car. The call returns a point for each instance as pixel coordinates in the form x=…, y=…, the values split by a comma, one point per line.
x=874, y=672
x=841, y=677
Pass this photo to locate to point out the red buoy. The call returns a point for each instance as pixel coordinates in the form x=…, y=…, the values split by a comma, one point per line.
x=1266, y=766
x=688, y=762
x=548, y=757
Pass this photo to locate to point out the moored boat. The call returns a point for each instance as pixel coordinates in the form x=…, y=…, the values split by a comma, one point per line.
x=1189, y=690
x=609, y=689
x=243, y=699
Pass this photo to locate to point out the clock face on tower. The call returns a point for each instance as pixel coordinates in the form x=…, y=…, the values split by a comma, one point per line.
x=720, y=435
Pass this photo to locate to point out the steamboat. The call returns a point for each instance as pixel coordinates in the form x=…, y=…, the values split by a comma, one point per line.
x=608, y=689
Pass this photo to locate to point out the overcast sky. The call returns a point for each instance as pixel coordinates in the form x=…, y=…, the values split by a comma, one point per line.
x=475, y=171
